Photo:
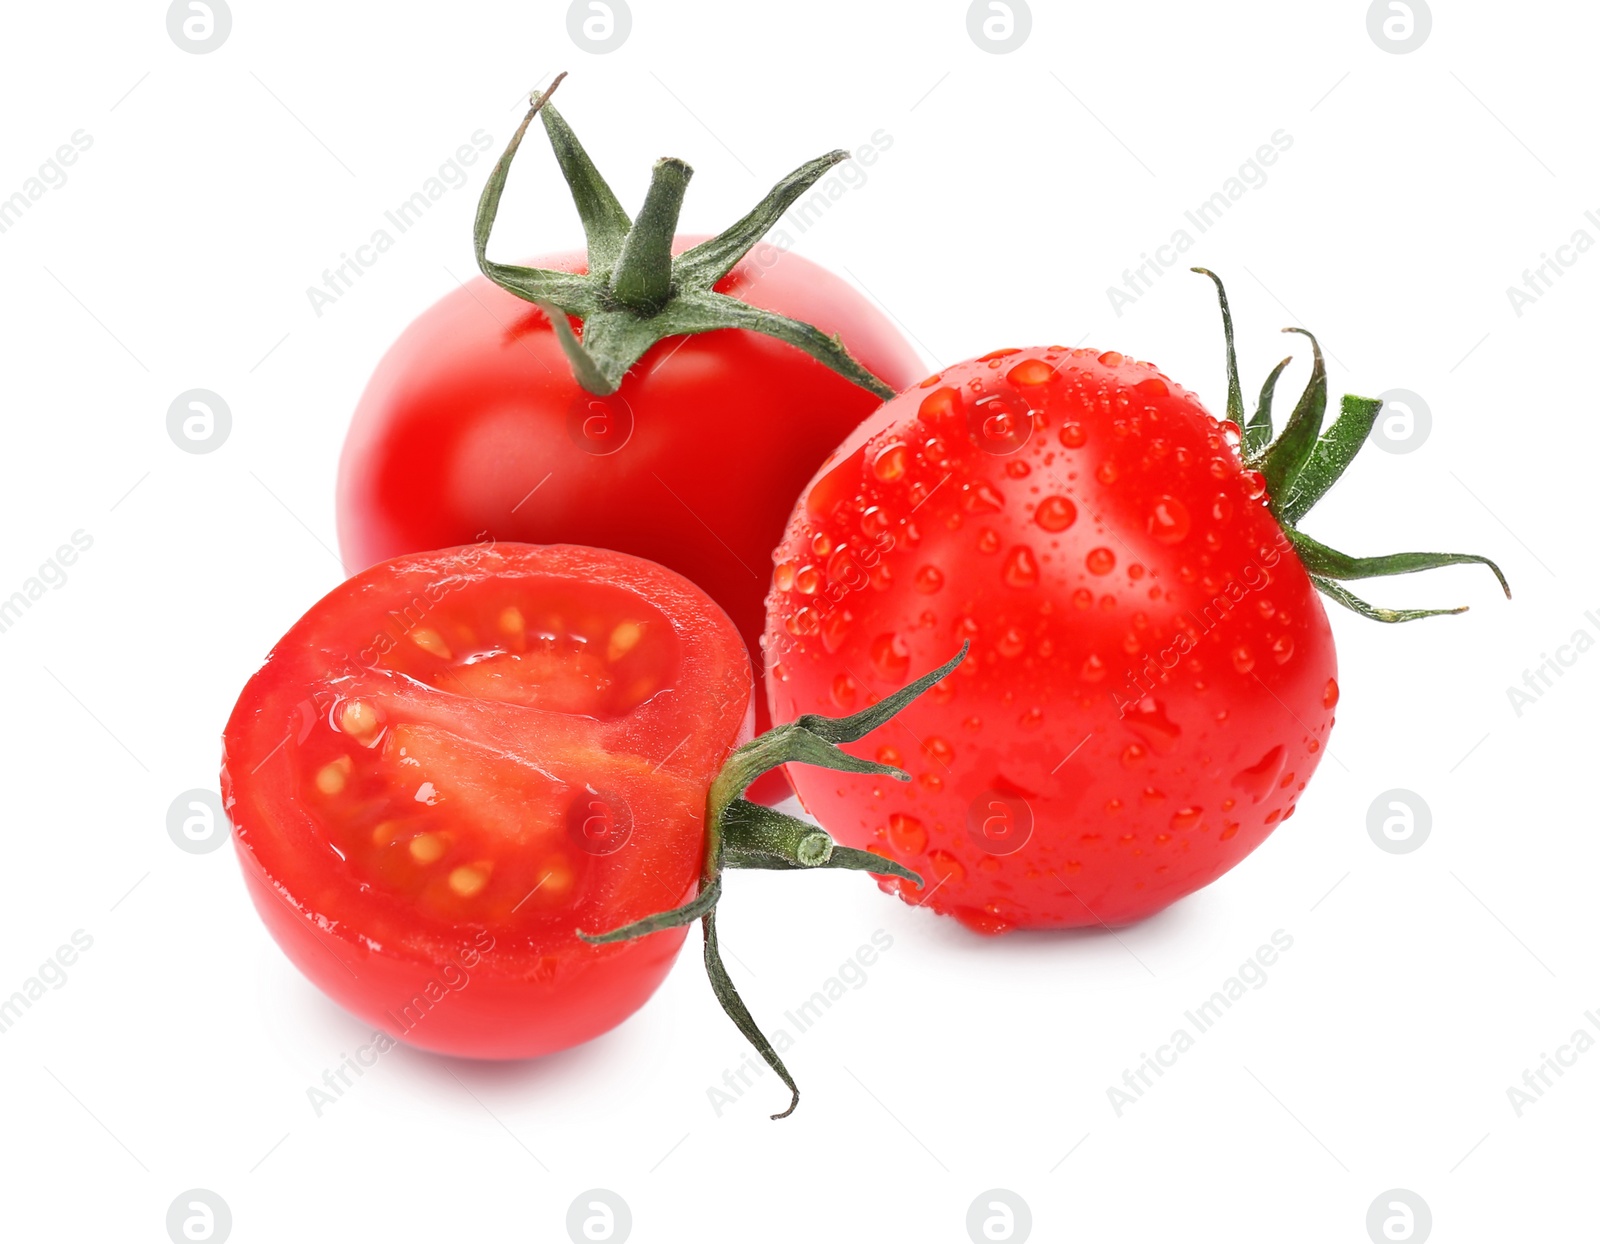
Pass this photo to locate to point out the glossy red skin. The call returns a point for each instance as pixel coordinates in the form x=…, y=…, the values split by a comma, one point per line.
x=523, y=986
x=463, y=434
x=1138, y=792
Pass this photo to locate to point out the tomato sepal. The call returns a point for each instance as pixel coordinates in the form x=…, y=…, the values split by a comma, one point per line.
x=1304, y=461
x=1328, y=563
x=1286, y=457
x=1342, y=595
x=691, y=911
x=741, y=834
x=636, y=292
x=1258, y=433
x=1335, y=449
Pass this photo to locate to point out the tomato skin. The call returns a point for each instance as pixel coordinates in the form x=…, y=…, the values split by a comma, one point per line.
x=472, y=428
x=1152, y=677
x=521, y=984
x=464, y=1003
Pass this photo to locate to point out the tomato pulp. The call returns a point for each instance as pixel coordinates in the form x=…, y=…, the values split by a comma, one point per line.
x=457, y=760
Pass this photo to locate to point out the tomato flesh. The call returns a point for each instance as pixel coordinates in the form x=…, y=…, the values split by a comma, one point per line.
x=470, y=755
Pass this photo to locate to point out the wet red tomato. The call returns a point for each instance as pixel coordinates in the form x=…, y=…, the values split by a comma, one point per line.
x=1152, y=679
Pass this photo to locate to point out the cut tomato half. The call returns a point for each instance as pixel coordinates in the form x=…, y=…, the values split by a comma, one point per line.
x=456, y=760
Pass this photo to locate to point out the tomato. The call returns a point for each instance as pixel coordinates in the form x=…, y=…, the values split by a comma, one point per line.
x=456, y=760
x=473, y=425
x=1153, y=678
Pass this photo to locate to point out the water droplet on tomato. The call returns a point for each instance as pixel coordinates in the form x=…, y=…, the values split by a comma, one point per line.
x=1020, y=568
x=807, y=580
x=988, y=540
x=842, y=567
x=1094, y=669
x=1030, y=372
x=844, y=691
x=1185, y=819
x=804, y=621
x=1148, y=719
x=980, y=498
x=1011, y=642
x=1169, y=520
x=1100, y=561
x=874, y=522
x=1243, y=659
x=1259, y=779
x=938, y=750
x=836, y=629
x=837, y=486
x=1282, y=649
x=1106, y=473
x=1330, y=694
x=1073, y=436
x=1222, y=507
x=1229, y=829
x=1232, y=433
x=890, y=658
x=946, y=867
x=929, y=579
x=940, y=406
x=1055, y=514
x=1255, y=485
x=889, y=463
x=907, y=834
x=1111, y=359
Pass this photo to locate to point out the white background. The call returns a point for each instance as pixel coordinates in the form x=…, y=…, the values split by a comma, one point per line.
x=1018, y=188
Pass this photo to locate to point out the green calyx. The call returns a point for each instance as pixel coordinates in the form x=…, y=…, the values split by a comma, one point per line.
x=1305, y=459
x=741, y=834
x=636, y=291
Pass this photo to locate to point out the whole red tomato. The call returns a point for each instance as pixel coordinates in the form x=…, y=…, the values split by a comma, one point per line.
x=1152, y=680
x=476, y=426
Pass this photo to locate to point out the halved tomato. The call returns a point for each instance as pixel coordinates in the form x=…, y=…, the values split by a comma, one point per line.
x=457, y=760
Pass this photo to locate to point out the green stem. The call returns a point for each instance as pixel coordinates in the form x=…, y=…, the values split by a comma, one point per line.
x=740, y=834
x=642, y=279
